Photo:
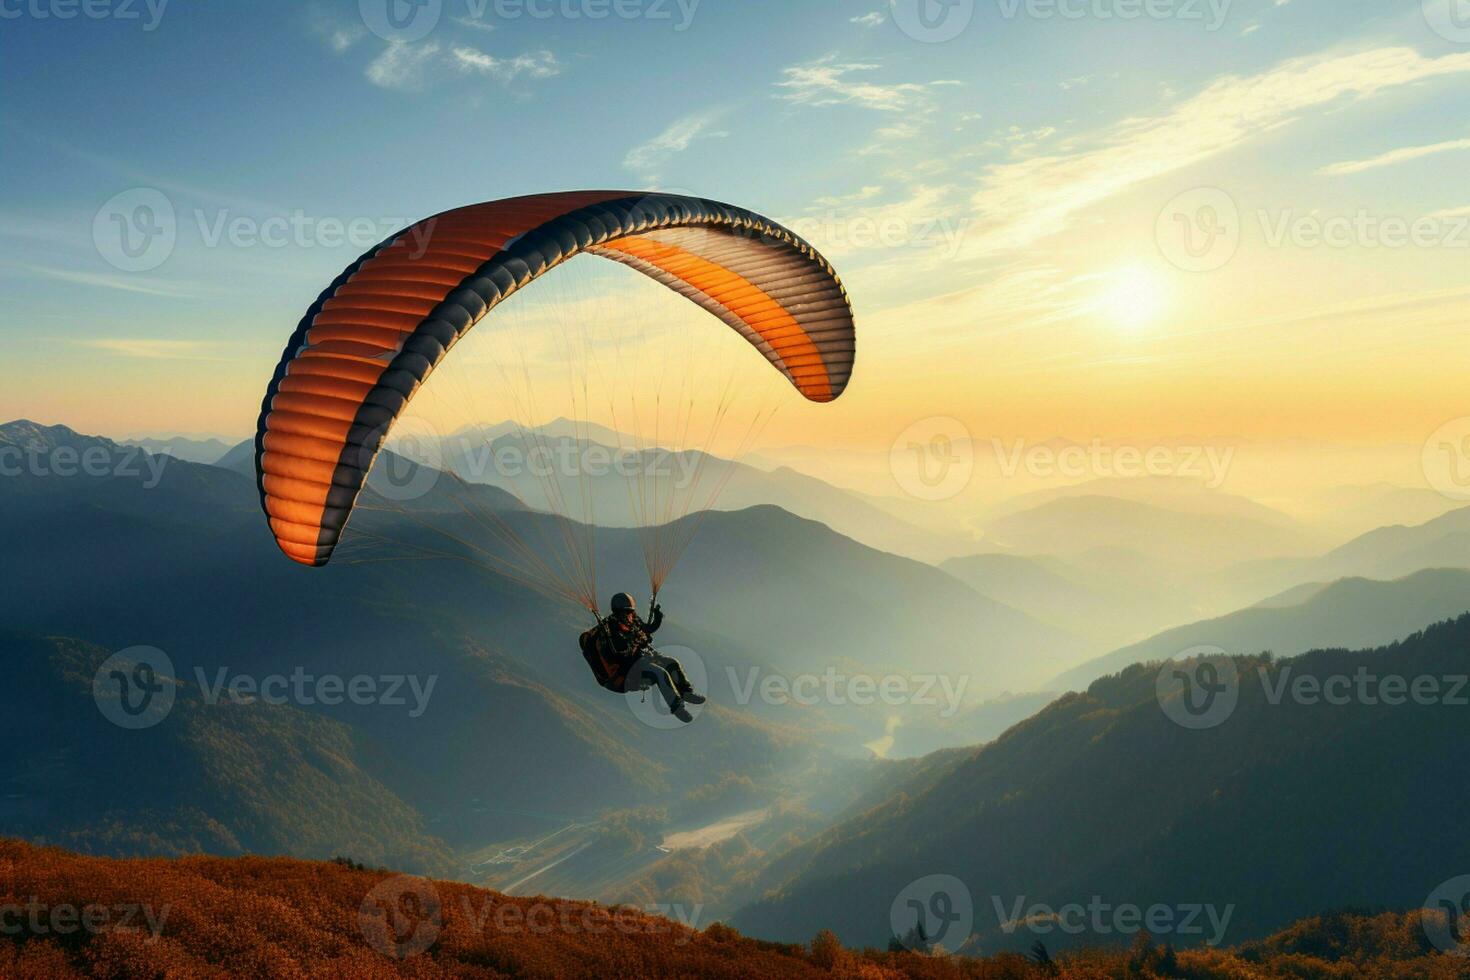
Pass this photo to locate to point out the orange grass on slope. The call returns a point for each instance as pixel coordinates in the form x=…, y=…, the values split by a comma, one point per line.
x=67, y=915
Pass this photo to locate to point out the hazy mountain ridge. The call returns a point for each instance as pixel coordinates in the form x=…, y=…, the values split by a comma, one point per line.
x=1067, y=597
x=686, y=478
x=1182, y=494
x=228, y=778
x=1258, y=812
x=1383, y=553
x=519, y=739
x=1347, y=613
x=517, y=736
x=1188, y=542
x=209, y=450
x=191, y=569
x=1359, y=508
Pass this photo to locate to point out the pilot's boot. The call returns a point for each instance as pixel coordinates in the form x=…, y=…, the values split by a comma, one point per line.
x=681, y=681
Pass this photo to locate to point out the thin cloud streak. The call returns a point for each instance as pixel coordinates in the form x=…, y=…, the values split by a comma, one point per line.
x=149, y=349
x=1392, y=157
x=1026, y=201
x=647, y=158
x=827, y=82
x=100, y=281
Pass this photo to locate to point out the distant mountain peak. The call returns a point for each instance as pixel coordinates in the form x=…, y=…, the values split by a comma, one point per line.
x=36, y=436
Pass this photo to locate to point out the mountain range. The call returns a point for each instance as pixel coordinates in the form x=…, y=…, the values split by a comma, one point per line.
x=1351, y=612
x=516, y=737
x=516, y=743
x=1285, y=805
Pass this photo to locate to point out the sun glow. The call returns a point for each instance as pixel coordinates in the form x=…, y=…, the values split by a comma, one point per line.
x=1133, y=298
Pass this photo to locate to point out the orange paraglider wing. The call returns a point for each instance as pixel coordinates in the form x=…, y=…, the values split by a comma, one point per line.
x=374, y=336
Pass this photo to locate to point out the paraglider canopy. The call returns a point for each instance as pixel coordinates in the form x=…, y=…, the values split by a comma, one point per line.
x=376, y=333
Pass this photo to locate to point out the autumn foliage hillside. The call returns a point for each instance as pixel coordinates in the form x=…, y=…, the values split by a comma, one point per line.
x=67, y=915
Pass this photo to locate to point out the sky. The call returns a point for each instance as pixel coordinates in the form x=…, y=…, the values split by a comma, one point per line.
x=1055, y=218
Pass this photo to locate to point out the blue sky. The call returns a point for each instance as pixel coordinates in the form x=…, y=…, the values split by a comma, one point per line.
x=990, y=197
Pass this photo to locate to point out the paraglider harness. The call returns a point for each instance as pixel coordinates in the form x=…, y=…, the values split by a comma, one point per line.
x=596, y=644
x=610, y=669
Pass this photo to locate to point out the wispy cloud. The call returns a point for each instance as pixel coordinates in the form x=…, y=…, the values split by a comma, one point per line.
x=153, y=350
x=892, y=138
x=842, y=200
x=646, y=158
x=124, y=170
x=532, y=64
x=1392, y=157
x=474, y=23
x=828, y=82
x=921, y=223
x=339, y=35
x=1021, y=141
x=869, y=20
x=122, y=283
x=1014, y=299
x=403, y=66
x=410, y=67
x=1024, y=201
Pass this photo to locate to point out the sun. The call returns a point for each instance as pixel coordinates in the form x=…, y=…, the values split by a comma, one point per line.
x=1133, y=298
